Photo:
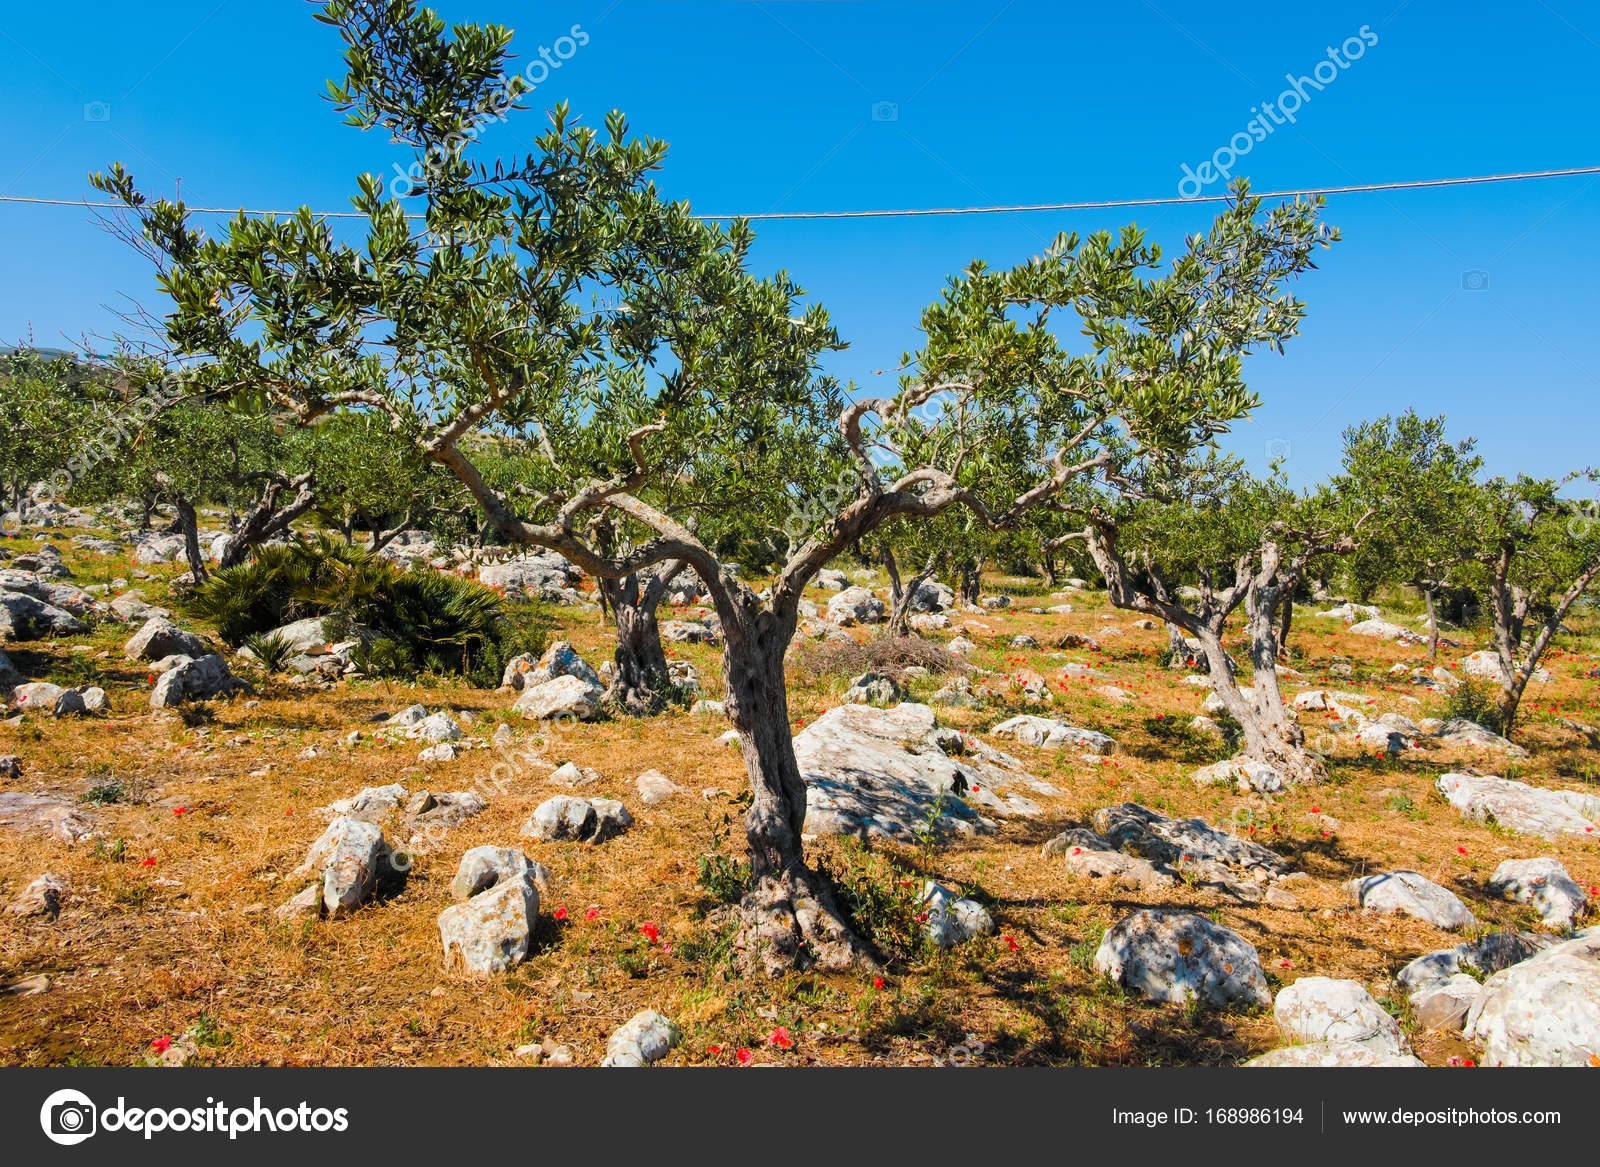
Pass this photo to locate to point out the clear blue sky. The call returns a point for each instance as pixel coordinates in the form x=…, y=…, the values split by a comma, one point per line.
x=774, y=106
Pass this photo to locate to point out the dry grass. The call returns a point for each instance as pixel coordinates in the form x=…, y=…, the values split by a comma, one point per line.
x=224, y=811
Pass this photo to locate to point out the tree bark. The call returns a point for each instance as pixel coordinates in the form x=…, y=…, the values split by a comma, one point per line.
x=900, y=614
x=641, y=682
x=189, y=523
x=1429, y=598
x=971, y=582
x=791, y=918
x=266, y=521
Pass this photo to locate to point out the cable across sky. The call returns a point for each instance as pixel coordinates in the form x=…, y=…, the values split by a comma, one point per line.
x=929, y=212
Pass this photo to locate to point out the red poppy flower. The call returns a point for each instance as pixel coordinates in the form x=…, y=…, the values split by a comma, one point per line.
x=561, y=913
x=877, y=982
x=651, y=932
x=180, y=810
x=713, y=1049
x=780, y=1038
x=592, y=914
x=161, y=1044
x=743, y=1056
x=1011, y=943
x=1461, y=850
x=150, y=862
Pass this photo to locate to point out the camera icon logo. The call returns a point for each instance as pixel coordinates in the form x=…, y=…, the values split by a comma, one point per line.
x=1279, y=449
x=886, y=111
x=68, y=1117
x=97, y=111
x=1476, y=280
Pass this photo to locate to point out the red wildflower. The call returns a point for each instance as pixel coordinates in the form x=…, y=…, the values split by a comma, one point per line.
x=592, y=914
x=161, y=1044
x=780, y=1038
x=877, y=982
x=651, y=932
x=180, y=810
x=1011, y=943
x=150, y=862
x=713, y=1049
x=1461, y=850
x=561, y=913
x=743, y=1056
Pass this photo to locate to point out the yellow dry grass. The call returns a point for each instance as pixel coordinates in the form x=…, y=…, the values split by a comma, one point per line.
x=168, y=922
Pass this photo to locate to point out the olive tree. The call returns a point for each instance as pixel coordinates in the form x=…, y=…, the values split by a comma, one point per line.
x=1541, y=555
x=1421, y=488
x=481, y=319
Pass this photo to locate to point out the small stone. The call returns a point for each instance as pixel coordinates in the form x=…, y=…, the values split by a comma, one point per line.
x=42, y=897
x=654, y=787
x=644, y=1040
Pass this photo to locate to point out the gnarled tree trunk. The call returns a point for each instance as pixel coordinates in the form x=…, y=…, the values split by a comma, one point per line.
x=904, y=598
x=189, y=524
x=791, y=918
x=266, y=520
x=641, y=682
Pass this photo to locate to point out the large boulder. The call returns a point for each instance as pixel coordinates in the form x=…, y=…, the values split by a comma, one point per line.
x=482, y=868
x=1444, y=1005
x=1487, y=665
x=1412, y=894
x=566, y=818
x=1544, y=1011
x=151, y=549
x=1248, y=775
x=44, y=814
x=1091, y=855
x=1516, y=806
x=1330, y=1054
x=1324, y=1009
x=1189, y=849
x=160, y=637
x=1544, y=883
x=932, y=596
x=894, y=773
x=1488, y=954
x=194, y=680
x=345, y=860
x=40, y=586
x=24, y=617
x=1052, y=734
x=37, y=696
x=544, y=574
x=690, y=632
x=562, y=660
x=370, y=804
x=567, y=696
x=491, y=931
x=856, y=605
x=1383, y=630
x=1178, y=957
x=1464, y=734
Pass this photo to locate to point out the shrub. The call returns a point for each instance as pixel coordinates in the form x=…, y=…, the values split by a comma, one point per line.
x=1473, y=700
x=271, y=651
x=414, y=620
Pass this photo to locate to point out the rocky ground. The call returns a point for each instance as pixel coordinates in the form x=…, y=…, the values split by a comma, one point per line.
x=201, y=862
